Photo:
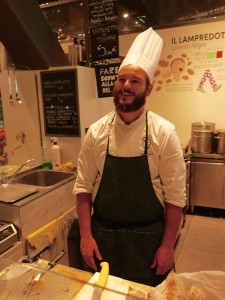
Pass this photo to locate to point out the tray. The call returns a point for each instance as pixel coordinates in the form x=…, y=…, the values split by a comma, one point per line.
x=14, y=192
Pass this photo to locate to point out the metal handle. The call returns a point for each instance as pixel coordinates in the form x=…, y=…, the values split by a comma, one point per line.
x=34, y=255
x=16, y=85
x=207, y=163
x=10, y=88
x=53, y=262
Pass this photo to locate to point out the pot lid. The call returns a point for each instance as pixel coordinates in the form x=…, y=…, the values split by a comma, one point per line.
x=202, y=131
x=203, y=123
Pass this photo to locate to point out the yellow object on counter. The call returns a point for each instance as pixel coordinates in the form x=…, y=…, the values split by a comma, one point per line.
x=103, y=276
x=45, y=234
x=67, y=167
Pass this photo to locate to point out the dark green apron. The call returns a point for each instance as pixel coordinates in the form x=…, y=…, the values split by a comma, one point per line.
x=128, y=219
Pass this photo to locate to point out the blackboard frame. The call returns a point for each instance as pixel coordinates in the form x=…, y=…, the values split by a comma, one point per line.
x=64, y=93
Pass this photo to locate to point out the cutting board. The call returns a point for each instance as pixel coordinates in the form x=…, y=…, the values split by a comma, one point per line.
x=116, y=289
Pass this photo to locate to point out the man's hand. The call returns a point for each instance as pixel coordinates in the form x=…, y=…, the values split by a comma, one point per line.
x=163, y=260
x=164, y=257
x=89, y=250
x=88, y=246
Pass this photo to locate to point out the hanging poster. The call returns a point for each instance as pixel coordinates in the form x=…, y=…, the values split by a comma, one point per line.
x=60, y=103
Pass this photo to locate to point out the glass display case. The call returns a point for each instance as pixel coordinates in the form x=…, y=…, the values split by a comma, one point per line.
x=23, y=279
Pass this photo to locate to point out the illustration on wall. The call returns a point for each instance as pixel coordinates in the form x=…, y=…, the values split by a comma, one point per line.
x=208, y=75
x=173, y=69
x=192, y=61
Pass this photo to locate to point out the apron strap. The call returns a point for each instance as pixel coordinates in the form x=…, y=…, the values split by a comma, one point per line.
x=107, y=149
x=146, y=136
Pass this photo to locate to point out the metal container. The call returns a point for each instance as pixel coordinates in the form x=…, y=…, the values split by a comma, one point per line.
x=202, y=138
x=220, y=141
x=203, y=126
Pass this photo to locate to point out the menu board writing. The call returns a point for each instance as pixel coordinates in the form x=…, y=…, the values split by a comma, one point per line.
x=106, y=76
x=60, y=103
x=104, y=41
x=102, y=11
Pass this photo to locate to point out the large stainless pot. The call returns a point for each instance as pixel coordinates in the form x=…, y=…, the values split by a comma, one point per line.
x=202, y=139
x=220, y=141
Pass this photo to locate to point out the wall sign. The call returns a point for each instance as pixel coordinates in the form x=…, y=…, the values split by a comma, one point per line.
x=106, y=76
x=101, y=12
x=60, y=103
x=104, y=41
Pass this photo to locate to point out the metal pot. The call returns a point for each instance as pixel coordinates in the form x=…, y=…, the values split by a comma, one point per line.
x=220, y=141
x=203, y=126
x=202, y=138
x=202, y=141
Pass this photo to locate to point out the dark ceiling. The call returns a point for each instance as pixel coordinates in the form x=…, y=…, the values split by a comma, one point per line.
x=67, y=16
x=163, y=10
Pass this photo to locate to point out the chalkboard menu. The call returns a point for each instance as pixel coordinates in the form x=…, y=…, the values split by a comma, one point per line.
x=60, y=103
x=104, y=41
x=103, y=29
x=106, y=76
x=102, y=12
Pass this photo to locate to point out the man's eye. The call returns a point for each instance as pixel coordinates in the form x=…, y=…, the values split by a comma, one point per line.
x=135, y=81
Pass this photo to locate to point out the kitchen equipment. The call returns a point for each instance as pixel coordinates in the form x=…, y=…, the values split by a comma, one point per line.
x=202, y=137
x=10, y=89
x=220, y=141
x=16, y=86
x=51, y=264
x=8, y=236
x=101, y=283
x=207, y=181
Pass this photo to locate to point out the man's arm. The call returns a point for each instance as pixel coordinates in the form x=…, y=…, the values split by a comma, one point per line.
x=88, y=246
x=164, y=257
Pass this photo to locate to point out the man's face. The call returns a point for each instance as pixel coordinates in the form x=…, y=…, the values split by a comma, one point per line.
x=177, y=67
x=130, y=89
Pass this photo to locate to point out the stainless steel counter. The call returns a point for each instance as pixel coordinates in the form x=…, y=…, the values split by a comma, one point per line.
x=208, y=156
x=32, y=212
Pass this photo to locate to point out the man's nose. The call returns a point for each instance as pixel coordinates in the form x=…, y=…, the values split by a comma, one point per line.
x=127, y=83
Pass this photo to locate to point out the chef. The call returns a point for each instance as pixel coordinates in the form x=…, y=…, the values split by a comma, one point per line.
x=130, y=185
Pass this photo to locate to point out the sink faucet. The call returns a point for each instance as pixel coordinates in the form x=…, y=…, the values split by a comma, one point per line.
x=4, y=177
x=17, y=171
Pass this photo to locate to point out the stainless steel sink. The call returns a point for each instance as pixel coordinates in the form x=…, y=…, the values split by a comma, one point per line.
x=44, y=178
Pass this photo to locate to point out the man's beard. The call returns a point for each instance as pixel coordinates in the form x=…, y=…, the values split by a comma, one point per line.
x=137, y=103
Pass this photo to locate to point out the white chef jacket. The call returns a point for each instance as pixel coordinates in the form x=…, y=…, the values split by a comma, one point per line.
x=165, y=156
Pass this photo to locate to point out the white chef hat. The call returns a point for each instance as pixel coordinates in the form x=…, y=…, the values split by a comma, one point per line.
x=145, y=52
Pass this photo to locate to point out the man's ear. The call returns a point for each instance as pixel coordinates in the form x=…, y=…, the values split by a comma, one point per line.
x=149, y=89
